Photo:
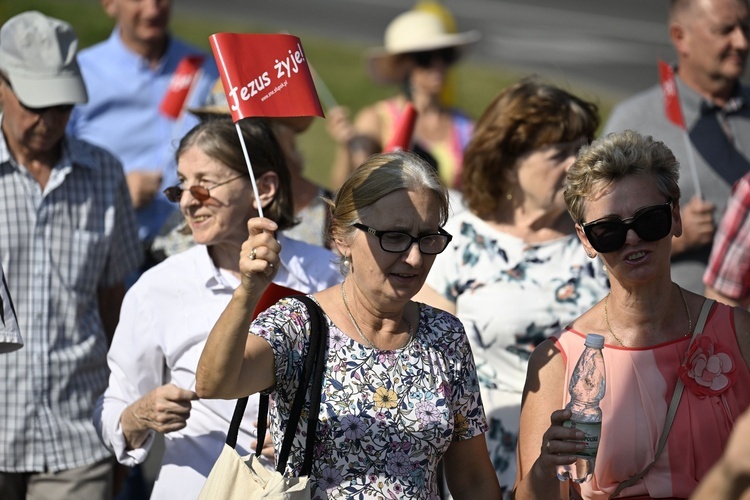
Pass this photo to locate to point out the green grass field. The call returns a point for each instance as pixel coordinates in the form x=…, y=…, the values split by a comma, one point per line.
x=341, y=66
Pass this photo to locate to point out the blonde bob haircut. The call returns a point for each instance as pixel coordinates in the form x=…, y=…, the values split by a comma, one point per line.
x=614, y=157
x=380, y=175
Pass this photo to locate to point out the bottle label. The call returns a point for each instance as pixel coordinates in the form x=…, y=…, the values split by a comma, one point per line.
x=592, y=431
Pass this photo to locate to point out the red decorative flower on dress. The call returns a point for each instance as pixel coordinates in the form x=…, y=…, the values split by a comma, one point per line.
x=708, y=369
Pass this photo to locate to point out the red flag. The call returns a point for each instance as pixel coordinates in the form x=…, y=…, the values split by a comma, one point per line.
x=404, y=129
x=273, y=294
x=179, y=86
x=265, y=75
x=672, y=108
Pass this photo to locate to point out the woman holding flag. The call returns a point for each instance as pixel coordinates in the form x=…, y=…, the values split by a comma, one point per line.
x=167, y=314
x=400, y=391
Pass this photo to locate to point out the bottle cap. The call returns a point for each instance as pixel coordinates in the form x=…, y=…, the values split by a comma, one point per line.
x=594, y=340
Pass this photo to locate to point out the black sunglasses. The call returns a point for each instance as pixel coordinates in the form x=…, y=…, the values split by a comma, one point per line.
x=200, y=193
x=608, y=234
x=426, y=58
x=399, y=242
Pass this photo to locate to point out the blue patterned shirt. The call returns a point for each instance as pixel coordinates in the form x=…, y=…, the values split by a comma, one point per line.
x=59, y=246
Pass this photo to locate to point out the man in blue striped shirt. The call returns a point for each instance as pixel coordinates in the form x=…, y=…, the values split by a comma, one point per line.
x=69, y=238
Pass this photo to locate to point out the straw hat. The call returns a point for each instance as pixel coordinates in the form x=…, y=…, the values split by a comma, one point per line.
x=412, y=31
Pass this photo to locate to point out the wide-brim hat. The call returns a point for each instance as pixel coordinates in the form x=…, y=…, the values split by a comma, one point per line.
x=412, y=31
x=38, y=57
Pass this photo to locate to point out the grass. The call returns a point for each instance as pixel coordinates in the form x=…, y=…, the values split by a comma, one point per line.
x=341, y=66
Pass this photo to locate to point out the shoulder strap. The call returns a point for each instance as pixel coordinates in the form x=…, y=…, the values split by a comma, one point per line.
x=312, y=372
x=673, y=404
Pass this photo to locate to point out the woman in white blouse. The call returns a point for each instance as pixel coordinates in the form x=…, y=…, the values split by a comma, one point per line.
x=167, y=315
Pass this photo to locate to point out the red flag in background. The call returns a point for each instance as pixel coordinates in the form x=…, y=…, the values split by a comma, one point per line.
x=672, y=108
x=404, y=130
x=273, y=294
x=265, y=75
x=179, y=86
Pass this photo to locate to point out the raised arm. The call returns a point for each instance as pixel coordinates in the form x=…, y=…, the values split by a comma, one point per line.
x=233, y=363
x=541, y=423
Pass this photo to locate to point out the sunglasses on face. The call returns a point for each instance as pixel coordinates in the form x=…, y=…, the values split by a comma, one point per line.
x=427, y=58
x=399, y=242
x=649, y=223
x=200, y=193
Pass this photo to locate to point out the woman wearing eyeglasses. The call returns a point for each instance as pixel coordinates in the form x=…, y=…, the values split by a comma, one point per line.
x=515, y=272
x=622, y=193
x=400, y=389
x=418, y=52
x=167, y=314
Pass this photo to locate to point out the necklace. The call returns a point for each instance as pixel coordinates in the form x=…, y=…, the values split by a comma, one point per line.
x=359, y=330
x=687, y=310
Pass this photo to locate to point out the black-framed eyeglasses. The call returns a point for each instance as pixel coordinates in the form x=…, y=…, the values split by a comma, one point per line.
x=200, y=193
x=608, y=234
x=399, y=241
x=425, y=59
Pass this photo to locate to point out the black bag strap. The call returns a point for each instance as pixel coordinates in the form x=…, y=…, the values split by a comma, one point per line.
x=315, y=360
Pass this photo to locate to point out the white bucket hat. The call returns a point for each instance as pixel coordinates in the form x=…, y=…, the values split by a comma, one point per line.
x=412, y=31
x=38, y=57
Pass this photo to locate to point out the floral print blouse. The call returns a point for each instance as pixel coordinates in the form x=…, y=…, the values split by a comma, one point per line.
x=511, y=295
x=386, y=417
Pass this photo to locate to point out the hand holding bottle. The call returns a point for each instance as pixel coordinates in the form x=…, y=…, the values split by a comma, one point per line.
x=587, y=387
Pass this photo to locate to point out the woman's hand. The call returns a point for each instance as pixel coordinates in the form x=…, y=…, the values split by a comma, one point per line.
x=560, y=444
x=339, y=126
x=259, y=256
x=559, y=447
x=164, y=409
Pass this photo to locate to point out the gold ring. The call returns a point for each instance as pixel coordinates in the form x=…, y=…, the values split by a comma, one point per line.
x=252, y=254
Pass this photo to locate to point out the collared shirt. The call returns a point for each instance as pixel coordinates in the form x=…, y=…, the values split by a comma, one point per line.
x=164, y=323
x=59, y=247
x=10, y=335
x=728, y=269
x=122, y=113
x=719, y=142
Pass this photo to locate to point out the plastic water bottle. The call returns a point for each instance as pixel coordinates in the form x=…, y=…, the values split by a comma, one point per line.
x=587, y=387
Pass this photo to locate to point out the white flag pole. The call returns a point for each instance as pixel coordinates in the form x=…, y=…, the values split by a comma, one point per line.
x=249, y=167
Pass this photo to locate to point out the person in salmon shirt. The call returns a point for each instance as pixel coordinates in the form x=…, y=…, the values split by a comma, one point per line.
x=623, y=194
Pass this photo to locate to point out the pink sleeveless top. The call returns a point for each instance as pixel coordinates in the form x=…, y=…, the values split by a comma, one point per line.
x=640, y=383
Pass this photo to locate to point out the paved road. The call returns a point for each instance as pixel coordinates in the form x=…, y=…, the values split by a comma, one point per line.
x=606, y=45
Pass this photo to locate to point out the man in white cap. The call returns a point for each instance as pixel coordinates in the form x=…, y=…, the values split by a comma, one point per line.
x=69, y=239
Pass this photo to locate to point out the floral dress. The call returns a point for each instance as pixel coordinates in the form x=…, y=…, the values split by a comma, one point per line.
x=386, y=417
x=510, y=296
